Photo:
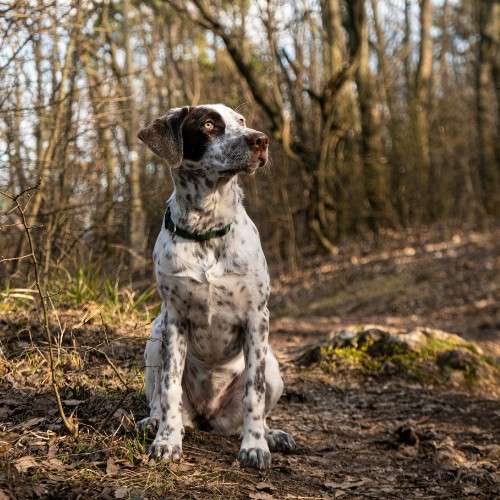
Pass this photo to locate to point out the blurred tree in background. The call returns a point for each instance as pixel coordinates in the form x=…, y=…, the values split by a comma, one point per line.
x=383, y=115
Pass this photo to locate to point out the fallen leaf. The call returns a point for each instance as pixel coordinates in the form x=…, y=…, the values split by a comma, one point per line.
x=111, y=468
x=72, y=402
x=181, y=467
x=52, y=451
x=4, y=446
x=260, y=496
x=24, y=463
x=263, y=486
x=4, y=496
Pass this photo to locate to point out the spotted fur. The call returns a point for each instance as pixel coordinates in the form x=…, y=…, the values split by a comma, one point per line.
x=208, y=361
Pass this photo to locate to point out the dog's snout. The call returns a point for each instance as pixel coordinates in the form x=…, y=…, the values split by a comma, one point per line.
x=257, y=140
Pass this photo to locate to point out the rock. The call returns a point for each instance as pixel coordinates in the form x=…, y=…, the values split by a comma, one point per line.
x=449, y=338
x=372, y=336
x=407, y=435
x=310, y=356
x=344, y=338
x=388, y=346
x=414, y=339
x=121, y=493
x=379, y=342
x=458, y=359
x=294, y=396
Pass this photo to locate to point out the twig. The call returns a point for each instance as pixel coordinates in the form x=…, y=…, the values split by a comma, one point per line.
x=69, y=423
x=128, y=390
x=111, y=364
x=111, y=412
x=8, y=259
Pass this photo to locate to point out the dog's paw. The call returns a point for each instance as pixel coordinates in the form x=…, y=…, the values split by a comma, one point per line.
x=258, y=458
x=163, y=449
x=280, y=441
x=148, y=425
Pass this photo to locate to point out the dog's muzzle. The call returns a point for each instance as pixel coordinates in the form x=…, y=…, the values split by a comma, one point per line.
x=258, y=143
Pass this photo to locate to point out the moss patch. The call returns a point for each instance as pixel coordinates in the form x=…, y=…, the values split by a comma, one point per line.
x=441, y=358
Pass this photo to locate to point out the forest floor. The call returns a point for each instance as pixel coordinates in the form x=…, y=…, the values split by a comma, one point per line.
x=361, y=433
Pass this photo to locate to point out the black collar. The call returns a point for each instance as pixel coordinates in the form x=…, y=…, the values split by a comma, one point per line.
x=213, y=233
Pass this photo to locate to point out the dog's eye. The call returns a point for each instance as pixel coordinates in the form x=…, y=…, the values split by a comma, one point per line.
x=242, y=121
x=209, y=125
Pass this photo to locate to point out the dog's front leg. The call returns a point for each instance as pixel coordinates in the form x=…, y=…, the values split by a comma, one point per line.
x=168, y=441
x=254, y=451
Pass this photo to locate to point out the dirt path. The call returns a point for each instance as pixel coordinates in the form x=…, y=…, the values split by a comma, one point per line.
x=359, y=436
x=451, y=283
x=346, y=430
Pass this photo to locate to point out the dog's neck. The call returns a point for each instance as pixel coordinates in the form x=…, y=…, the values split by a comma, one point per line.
x=202, y=201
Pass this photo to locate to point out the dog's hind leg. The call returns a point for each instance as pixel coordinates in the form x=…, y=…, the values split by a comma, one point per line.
x=274, y=382
x=277, y=440
x=152, y=374
x=229, y=418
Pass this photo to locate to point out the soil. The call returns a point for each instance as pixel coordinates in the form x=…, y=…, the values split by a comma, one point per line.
x=359, y=435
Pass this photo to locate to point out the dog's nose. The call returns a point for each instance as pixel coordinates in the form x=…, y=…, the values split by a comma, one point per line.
x=257, y=140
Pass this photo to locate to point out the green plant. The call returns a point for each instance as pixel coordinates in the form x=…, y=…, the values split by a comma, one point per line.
x=82, y=286
x=89, y=285
x=12, y=297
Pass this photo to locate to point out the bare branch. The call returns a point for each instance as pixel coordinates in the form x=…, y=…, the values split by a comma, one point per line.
x=70, y=424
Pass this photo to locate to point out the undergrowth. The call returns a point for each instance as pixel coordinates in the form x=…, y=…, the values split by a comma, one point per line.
x=87, y=288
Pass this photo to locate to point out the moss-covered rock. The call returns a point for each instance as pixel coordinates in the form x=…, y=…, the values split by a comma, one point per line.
x=423, y=354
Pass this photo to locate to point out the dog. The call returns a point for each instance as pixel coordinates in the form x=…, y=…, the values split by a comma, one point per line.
x=208, y=361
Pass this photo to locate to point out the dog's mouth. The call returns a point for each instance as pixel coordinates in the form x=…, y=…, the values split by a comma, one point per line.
x=258, y=160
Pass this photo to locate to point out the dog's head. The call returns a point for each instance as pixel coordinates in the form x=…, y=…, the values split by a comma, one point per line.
x=210, y=137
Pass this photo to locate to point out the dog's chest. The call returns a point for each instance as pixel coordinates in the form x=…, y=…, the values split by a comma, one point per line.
x=214, y=287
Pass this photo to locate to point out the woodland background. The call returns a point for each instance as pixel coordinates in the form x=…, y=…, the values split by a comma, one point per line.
x=378, y=216
x=384, y=115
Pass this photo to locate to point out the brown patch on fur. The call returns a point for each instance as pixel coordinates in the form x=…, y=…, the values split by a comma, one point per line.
x=195, y=136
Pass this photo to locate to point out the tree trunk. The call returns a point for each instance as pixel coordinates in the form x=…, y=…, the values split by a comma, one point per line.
x=327, y=224
x=60, y=103
x=486, y=72
x=397, y=186
x=103, y=123
x=422, y=101
x=372, y=147
x=137, y=239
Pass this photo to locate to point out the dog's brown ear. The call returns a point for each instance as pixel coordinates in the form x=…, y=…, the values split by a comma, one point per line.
x=164, y=135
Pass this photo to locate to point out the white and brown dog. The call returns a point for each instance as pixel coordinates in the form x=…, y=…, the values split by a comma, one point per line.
x=208, y=361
